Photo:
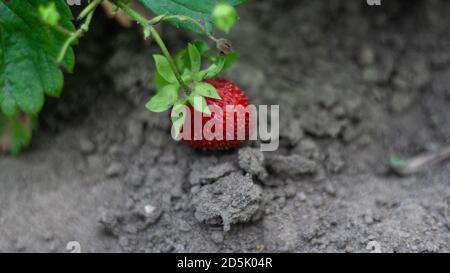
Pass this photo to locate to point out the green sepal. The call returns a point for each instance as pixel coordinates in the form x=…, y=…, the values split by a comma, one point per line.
x=216, y=68
x=160, y=82
x=178, y=116
x=199, y=103
x=164, y=69
x=230, y=59
x=182, y=58
x=206, y=90
x=194, y=58
x=202, y=47
x=164, y=99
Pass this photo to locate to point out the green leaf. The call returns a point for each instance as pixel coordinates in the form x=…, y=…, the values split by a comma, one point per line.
x=163, y=68
x=29, y=48
x=202, y=47
x=225, y=17
x=206, y=90
x=16, y=132
x=396, y=162
x=195, y=58
x=221, y=63
x=230, y=59
x=200, y=10
x=216, y=68
x=164, y=99
x=160, y=82
x=182, y=58
x=198, y=77
x=199, y=103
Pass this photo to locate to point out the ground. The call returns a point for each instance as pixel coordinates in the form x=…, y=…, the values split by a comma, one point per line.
x=355, y=84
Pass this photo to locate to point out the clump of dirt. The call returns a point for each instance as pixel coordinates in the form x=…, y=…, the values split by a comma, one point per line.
x=200, y=175
x=251, y=160
x=230, y=200
x=355, y=84
x=291, y=165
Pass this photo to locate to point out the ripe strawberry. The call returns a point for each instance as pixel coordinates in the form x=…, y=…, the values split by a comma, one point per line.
x=232, y=95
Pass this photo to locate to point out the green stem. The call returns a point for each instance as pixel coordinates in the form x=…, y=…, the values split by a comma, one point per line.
x=150, y=30
x=81, y=31
x=166, y=53
x=191, y=20
x=89, y=8
x=63, y=30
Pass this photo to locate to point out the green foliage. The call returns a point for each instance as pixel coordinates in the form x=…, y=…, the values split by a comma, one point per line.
x=28, y=51
x=218, y=63
x=178, y=115
x=200, y=10
x=163, y=69
x=189, y=61
x=164, y=99
x=16, y=132
x=35, y=42
x=206, y=90
x=194, y=58
x=230, y=59
x=396, y=162
x=199, y=103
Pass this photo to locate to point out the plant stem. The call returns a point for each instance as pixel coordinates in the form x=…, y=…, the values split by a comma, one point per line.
x=191, y=20
x=89, y=8
x=166, y=53
x=63, y=30
x=82, y=30
x=150, y=30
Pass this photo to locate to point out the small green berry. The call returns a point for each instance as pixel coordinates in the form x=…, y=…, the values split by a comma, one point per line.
x=225, y=17
x=49, y=14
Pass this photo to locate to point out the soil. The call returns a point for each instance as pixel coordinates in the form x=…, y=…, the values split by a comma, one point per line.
x=355, y=83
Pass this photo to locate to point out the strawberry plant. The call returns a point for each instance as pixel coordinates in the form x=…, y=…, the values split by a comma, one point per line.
x=36, y=40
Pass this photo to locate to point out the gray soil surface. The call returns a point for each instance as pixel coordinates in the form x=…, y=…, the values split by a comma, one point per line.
x=355, y=84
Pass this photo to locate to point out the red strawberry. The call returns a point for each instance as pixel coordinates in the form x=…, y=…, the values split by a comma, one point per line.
x=231, y=95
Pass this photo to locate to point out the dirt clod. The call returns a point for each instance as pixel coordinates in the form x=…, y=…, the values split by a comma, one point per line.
x=334, y=162
x=230, y=200
x=140, y=217
x=201, y=175
x=251, y=160
x=291, y=165
x=87, y=146
x=114, y=170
